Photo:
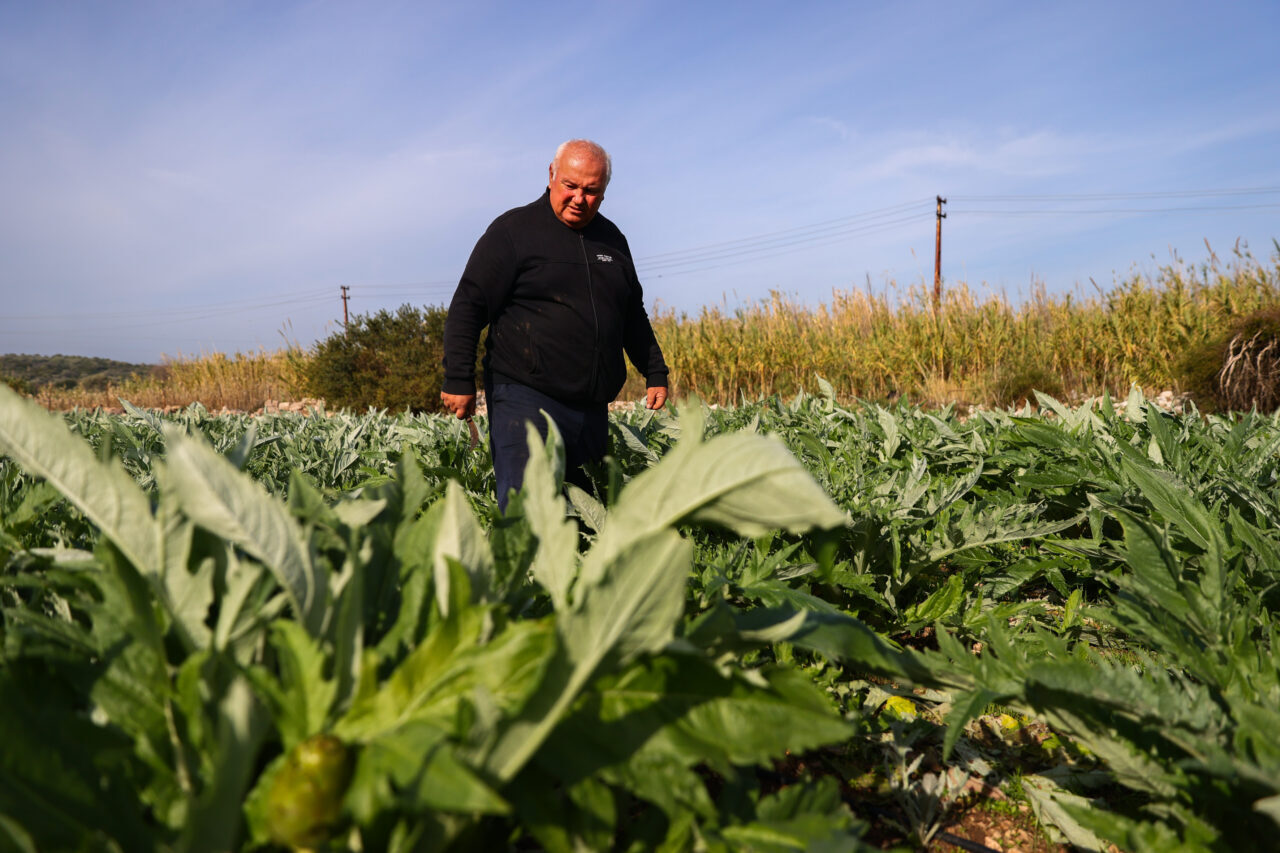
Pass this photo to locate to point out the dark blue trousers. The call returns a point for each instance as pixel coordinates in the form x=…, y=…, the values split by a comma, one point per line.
x=584, y=428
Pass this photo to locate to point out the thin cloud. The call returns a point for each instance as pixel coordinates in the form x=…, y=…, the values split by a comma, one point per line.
x=1040, y=153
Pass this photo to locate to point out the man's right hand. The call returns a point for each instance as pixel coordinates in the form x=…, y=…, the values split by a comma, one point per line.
x=462, y=406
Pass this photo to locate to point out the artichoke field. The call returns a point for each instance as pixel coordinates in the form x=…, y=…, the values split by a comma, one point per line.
x=788, y=625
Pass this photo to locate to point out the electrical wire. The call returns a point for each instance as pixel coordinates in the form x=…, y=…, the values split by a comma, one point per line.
x=118, y=321
x=696, y=259
x=192, y=312
x=1218, y=193
x=778, y=250
x=957, y=203
x=827, y=237
x=430, y=290
x=825, y=225
x=771, y=244
x=1111, y=210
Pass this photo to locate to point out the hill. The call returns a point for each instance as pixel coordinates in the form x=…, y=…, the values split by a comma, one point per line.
x=68, y=371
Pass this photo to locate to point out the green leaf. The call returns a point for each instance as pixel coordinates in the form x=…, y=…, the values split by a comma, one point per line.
x=801, y=834
x=187, y=591
x=215, y=819
x=14, y=837
x=747, y=483
x=630, y=592
x=240, y=614
x=1269, y=806
x=1133, y=407
x=104, y=492
x=839, y=637
x=682, y=708
x=1071, y=610
x=451, y=666
x=938, y=606
x=229, y=504
x=358, y=513
x=1053, y=806
x=459, y=535
x=555, y=565
x=1155, y=566
x=1174, y=501
x=302, y=696
x=633, y=606
x=967, y=706
x=665, y=780
x=414, y=769
x=590, y=510
x=65, y=798
x=892, y=434
x=564, y=819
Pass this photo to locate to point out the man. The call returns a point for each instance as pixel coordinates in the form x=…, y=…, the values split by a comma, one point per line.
x=554, y=283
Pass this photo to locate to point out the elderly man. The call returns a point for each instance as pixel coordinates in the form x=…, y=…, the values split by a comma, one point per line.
x=554, y=283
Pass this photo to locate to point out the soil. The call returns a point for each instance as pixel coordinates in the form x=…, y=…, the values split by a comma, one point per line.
x=996, y=830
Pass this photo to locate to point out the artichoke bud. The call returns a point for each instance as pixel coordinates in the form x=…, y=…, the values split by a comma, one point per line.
x=304, y=805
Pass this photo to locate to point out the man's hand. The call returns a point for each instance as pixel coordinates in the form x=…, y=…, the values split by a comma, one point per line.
x=462, y=406
x=655, y=397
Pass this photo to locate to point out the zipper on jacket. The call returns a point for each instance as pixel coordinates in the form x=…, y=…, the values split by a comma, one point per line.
x=595, y=317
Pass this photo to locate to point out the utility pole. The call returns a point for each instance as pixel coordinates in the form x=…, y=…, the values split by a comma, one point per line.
x=937, y=259
x=345, y=297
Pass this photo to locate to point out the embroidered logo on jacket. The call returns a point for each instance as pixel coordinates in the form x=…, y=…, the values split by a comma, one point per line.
x=605, y=259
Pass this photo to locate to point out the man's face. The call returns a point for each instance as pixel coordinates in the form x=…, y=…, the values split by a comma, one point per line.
x=577, y=188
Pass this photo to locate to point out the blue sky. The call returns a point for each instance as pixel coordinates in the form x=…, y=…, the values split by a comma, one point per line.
x=192, y=177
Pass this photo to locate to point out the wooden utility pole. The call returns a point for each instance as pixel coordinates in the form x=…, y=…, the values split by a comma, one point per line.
x=345, y=297
x=937, y=259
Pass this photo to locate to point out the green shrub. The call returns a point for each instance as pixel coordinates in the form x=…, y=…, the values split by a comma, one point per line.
x=1239, y=369
x=382, y=361
x=17, y=384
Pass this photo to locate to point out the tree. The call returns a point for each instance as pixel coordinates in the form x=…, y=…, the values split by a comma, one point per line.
x=382, y=361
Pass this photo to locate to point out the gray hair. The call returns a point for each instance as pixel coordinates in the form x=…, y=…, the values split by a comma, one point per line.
x=594, y=149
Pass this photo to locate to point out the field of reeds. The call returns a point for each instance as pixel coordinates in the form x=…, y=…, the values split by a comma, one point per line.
x=976, y=349
x=239, y=382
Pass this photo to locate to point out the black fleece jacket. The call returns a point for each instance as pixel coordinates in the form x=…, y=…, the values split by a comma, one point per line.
x=561, y=306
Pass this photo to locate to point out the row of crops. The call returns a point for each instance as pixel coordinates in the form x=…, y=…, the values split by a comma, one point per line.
x=781, y=626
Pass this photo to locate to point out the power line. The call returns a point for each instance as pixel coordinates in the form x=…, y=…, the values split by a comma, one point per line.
x=709, y=256
x=142, y=319
x=778, y=242
x=1216, y=193
x=825, y=225
x=178, y=314
x=798, y=246
x=1057, y=200
x=79, y=323
x=410, y=286
x=432, y=292
x=783, y=247
x=1115, y=210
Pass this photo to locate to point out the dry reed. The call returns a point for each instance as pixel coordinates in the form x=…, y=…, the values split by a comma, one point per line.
x=867, y=345
x=871, y=346
x=241, y=382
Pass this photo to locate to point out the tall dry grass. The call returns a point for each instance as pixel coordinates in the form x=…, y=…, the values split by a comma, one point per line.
x=975, y=349
x=240, y=382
